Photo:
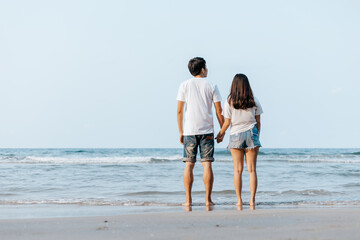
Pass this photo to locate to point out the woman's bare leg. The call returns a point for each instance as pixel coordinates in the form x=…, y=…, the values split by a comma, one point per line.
x=238, y=159
x=251, y=157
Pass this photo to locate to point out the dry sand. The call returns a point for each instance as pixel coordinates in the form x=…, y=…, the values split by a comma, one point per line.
x=315, y=223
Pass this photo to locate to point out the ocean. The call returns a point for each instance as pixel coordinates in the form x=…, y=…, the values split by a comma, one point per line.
x=77, y=182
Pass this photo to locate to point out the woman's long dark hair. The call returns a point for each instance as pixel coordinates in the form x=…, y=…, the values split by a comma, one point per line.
x=241, y=95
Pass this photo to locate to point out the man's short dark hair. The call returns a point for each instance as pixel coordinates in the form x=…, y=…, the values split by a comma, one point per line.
x=195, y=65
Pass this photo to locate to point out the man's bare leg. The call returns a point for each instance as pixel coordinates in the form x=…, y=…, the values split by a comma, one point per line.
x=208, y=178
x=188, y=181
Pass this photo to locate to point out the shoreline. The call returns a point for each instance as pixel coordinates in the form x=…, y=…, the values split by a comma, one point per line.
x=49, y=211
x=304, y=223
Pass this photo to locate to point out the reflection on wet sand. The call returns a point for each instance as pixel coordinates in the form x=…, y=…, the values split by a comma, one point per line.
x=210, y=208
x=207, y=208
x=188, y=208
x=239, y=207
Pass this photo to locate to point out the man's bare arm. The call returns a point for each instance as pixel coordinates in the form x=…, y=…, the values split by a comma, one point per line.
x=219, y=116
x=180, y=117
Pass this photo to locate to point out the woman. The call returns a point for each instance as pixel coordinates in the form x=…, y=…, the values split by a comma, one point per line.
x=242, y=112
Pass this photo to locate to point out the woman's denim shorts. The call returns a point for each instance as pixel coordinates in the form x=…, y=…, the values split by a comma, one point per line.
x=245, y=140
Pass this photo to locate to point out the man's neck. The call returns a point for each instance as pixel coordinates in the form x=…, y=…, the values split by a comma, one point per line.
x=199, y=76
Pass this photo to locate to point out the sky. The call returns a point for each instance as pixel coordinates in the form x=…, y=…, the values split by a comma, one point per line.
x=105, y=74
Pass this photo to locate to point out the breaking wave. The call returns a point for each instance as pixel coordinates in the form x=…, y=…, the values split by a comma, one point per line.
x=85, y=160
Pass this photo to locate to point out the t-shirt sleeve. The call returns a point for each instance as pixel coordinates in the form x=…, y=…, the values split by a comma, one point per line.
x=258, y=109
x=226, y=110
x=181, y=93
x=216, y=94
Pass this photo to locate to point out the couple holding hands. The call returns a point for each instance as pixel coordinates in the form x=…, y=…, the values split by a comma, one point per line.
x=195, y=121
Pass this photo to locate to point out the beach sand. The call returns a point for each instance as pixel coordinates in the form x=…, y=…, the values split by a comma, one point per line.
x=308, y=223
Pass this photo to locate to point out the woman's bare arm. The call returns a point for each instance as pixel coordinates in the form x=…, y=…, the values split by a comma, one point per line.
x=258, y=124
x=225, y=126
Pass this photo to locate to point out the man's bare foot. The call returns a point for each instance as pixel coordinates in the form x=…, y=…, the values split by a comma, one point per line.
x=239, y=202
x=187, y=204
x=209, y=203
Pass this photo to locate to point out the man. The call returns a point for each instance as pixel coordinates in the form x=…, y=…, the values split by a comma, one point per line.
x=197, y=96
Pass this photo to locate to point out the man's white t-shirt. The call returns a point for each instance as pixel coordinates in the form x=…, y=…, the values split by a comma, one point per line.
x=242, y=120
x=198, y=95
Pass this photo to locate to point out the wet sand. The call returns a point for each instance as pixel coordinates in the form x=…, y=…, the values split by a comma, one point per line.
x=313, y=223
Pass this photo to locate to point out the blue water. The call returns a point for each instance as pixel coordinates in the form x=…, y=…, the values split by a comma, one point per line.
x=143, y=178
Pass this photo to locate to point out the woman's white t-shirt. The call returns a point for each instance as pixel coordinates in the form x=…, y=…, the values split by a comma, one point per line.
x=242, y=120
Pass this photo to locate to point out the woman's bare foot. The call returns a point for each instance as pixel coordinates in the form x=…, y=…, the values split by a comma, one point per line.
x=252, y=204
x=239, y=204
x=188, y=202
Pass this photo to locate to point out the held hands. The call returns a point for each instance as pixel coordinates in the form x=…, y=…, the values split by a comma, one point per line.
x=220, y=137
